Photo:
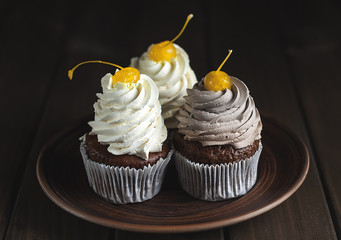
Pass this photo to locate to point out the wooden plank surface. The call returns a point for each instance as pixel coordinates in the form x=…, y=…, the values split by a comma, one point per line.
x=68, y=102
x=214, y=234
x=259, y=61
x=275, y=51
x=25, y=71
x=313, y=52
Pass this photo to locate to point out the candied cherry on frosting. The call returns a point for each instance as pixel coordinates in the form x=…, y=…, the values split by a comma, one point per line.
x=125, y=75
x=165, y=51
x=218, y=80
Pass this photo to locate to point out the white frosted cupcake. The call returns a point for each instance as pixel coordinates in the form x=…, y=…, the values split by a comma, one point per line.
x=168, y=65
x=126, y=153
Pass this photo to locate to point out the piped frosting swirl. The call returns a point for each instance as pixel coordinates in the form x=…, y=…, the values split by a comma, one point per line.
x=172, y=79
x=128, y=117
x=220, y=118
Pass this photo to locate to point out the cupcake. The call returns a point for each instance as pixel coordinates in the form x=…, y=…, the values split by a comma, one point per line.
x=218, y=142
x=168, y=65
x=126, y=152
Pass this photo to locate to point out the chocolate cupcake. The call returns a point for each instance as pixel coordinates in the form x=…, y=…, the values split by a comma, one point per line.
x=168, y=65
x=126, y=153
x=218, y=140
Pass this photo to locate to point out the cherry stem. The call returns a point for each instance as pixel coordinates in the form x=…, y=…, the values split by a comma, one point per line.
x=70, y=73
x=189, y=17
x=221, y=65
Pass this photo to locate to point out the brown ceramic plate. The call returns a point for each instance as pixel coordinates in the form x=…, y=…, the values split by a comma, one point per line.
x=282, y=168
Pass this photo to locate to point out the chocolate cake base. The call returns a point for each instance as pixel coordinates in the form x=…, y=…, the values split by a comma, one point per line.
x=212, y=154
x=98, y=152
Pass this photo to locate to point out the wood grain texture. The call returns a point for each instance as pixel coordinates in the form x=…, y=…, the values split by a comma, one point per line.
x=23, y=75
x=313, y=52
x=203, y=235
x=259, y=61
x=68, y=101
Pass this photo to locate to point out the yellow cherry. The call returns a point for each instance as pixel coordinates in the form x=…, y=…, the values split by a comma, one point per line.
x=218, y=80
x=165, y=51
x=125, y=75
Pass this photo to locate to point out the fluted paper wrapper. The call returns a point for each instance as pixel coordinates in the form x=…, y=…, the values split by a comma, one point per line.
x=220, y=181
x=122, y=185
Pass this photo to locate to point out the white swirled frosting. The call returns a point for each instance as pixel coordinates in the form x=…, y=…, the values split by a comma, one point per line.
x=220, y=118
x=172, y=79
x=128, y=117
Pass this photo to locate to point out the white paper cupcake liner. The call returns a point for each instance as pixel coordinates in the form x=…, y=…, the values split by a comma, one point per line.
x=122, y=185
x=220, y=181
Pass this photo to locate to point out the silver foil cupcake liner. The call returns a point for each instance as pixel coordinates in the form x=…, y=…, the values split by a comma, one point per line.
x=122, y=185
x=220, y=181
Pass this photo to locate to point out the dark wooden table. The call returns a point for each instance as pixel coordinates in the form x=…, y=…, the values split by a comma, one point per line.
x=287, y=52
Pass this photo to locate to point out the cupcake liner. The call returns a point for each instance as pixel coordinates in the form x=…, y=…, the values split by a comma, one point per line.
x=122, y=185
x=217, y=182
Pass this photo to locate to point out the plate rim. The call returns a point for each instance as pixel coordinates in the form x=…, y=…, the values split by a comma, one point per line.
x=53, y=196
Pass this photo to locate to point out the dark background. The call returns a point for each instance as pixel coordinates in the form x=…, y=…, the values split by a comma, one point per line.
x=287, y=52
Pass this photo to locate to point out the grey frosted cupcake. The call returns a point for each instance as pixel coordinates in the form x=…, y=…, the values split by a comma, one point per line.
x=218, y=143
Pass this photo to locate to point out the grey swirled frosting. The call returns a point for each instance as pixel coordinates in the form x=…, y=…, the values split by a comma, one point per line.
x=220, y=118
